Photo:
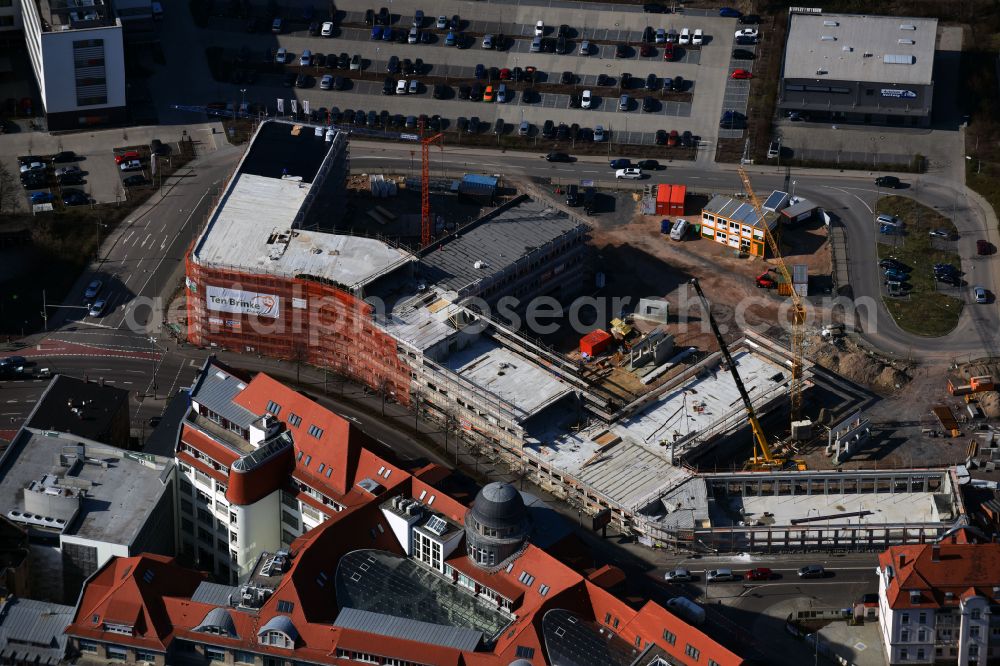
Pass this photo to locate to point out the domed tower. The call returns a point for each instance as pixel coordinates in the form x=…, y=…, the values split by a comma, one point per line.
x=497, y=525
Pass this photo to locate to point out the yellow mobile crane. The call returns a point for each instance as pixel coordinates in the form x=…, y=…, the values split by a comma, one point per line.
x=798, y=308
x=762, y=459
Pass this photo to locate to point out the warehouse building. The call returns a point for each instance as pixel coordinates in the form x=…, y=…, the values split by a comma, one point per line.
x=862, y=69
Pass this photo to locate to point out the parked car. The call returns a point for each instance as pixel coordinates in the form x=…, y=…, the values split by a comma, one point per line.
x=729, y=12
x=747, y=33
x=940, y=233
x=743, y=54
x=739, y=74
x=539, y=28
x=41, y=197
x=326, y=30
x=979, y=293
x=685, y=37
x=442, y=23
x=648, y=165
x=760, y=573
x=669, y=52
x=719, y=575
x=678, y=575
x=698, y=38
x=750, y=19
x=648, y=104
x=326, y=83
x=64, y=156
x=134, y=180
x=984, y=247
x=93, y=289
x=97, y=309
x=599, y=133
x=889, y=262
x=812, y=571
x=893, y=274
x=130, y=165
x=548, y=129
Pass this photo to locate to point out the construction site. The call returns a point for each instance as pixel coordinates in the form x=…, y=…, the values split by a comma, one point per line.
x=694, y=441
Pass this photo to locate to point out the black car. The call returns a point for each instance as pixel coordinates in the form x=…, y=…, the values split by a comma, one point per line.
x=369, y=16
x=649, y=165
x=464, y=91
x=384, y=118
x=319, y=60
x=441, y=91
x=548, y=129
x=426, y=37
x=678, y=84
x=34, y=180
x=562, y=132
x=340, y=82
x=288, y=80
x=360, y=117
x=314, y=29
x=653, y=8
x=660, y=138
x=499, y=127
x=604, y=80
x=348, y=115
x=70, y=179
x=652, y=83
x=567, y=78
x=648, y=105
x=335, y=115
x=530, y=96
x=64, y=156
x=388, y=86
x=463, y=42
x=744, y=54
x=563, y=30
x=476, y=93
x=889, y=262
x=887, y=181
x=621, y=51
x=28, y=159
x=625, y=81
x=749, y=19
x=398, y=120
x=343, y=61
x=462, y=124
x=74, y=198
x=473, y=125
x=648, y=35
x=516, y=74
x=407, y=66
x=133, y=181
x=383, y=17
x=561, y=44
x=435, y=123
x=558, y=157
x=415, y=67
x=372, y=119
x=302, y=81
x=456, y=22
x=493, y=74
x=549, y=45
x=392, y=67
x=687, y=139
x=589, y=200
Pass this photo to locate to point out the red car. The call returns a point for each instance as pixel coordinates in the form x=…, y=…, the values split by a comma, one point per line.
x=741, y=74
x=668, y=52
x=504, y=74
x=127, y=156
x=765, y=281
x=760, y=573
x=646, y=50
x=672, y=139
x=984, y=247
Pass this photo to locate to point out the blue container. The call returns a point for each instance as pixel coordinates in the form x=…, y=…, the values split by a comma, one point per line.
x=665, y=226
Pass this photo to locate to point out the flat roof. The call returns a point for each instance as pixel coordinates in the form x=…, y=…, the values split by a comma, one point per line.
x=253, y=231
x=879, y=508
x=121, y=490
x=844, y=57
x=422, y=320
x=86, y=409
x=525, y=384
x=498, y=241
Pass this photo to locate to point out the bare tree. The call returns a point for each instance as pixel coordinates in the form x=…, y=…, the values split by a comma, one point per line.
x=9, y=191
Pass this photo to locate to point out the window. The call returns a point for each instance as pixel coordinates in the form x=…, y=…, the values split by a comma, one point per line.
x=974, y=651
x=973, y=632
x=669, y=637
x=904, y=636
x=142, y=655
x=904, y=654
x=904, y=618
x=615, y=623
x=692, y=651
x=316, y=432
x=922, y=636
x=289, y=519
x=524, y=652
x=243, y=657
x=922, y=618
x=273, y=407
x=88, y=646
x=712, y=662
x=607, y=618
x=117, y=653
x=638, y=641
x=285, y=606
x=920, y=654
x=976, y=614
x=294, y=419
x=215, y=654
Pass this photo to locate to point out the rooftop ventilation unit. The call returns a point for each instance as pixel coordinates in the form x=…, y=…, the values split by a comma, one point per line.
x=907, y=26
x=831, y=24
x=828, y=38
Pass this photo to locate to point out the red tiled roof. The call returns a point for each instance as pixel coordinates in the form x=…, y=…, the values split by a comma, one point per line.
x=958, y=568
x=652, y=619
x=607, y=576
x=350, y=639
x=442, y=503
x=133, y=590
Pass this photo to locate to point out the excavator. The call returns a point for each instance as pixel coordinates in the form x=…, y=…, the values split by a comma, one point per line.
x=763, y=460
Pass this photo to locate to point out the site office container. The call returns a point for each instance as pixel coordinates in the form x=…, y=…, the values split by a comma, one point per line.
x=595, y=342
x=677, y=195
x=663, y=194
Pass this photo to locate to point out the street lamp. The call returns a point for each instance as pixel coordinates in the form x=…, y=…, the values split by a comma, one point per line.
x=152, y=347
x=243, y=101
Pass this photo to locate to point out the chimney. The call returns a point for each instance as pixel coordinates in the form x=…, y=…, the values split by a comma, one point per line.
x=935, y=552
x=902, y=560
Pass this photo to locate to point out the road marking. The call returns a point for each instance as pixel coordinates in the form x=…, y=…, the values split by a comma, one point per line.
x=148, y=236
x=863, y=202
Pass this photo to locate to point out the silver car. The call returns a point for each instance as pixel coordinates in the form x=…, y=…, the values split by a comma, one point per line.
x=720, y=576
x=812, y=571
x=678, y=575
x=97, y=309
x=326, y=83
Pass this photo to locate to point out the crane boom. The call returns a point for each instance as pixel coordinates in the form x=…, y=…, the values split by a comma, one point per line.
x=798, y=308
x=760, y=441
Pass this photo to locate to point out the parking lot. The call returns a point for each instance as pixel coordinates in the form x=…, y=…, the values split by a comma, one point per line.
x=696, y=107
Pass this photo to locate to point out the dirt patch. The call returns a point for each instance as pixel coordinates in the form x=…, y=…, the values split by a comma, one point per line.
x=859, y=365
x=989, y=402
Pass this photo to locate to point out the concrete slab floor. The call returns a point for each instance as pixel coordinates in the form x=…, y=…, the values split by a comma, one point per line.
x=879, y=508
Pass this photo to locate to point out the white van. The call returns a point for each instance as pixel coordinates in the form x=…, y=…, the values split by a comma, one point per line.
x=890, y=220
x=679, y=230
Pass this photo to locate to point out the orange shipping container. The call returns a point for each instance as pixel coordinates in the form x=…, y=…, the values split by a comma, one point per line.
x=677, y=195
x=663, y=200
x=595, y=342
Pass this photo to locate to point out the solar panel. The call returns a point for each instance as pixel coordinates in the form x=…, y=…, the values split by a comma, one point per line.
x=896, y=59
x=437, y=525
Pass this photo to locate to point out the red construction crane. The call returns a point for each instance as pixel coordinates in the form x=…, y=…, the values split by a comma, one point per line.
x=425, y=184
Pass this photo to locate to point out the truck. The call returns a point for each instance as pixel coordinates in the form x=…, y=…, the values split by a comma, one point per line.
x=687, y=609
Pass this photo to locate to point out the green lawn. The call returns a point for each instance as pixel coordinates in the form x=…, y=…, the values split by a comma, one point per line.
x=925, y=311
